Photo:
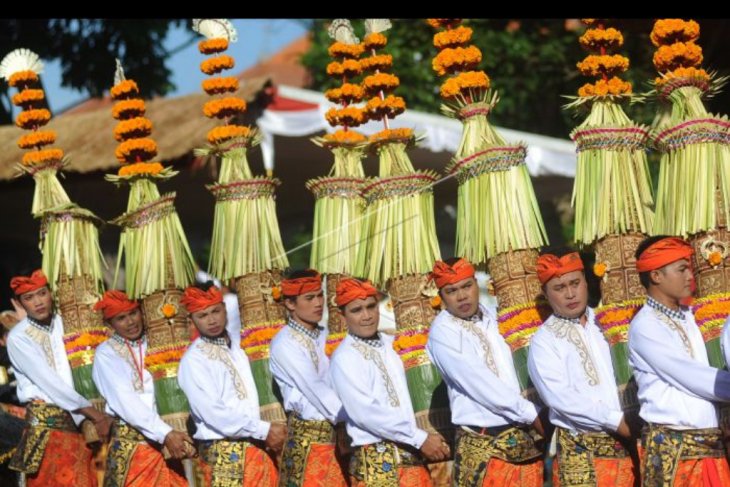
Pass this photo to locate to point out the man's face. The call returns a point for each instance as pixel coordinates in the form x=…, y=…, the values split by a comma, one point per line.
x=129, y=324
x=211, y=321
x=675, y=279
x=568, y=294
x=307, y=307
x=362, y=316
x=38, y=304
x=461, y=298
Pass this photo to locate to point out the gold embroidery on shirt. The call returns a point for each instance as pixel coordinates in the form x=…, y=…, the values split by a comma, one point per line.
x=565, y=329
x=369, y=354
x=216, y=352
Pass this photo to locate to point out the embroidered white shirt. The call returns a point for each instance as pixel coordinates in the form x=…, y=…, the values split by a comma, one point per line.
x=476, y=364
x=220, y=388
x=570, y=365
x=371, y=383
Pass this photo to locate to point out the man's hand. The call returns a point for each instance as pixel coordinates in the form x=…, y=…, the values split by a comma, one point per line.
x=177, y=444
x=276, y=437
x=102, y=422
x=435, y=448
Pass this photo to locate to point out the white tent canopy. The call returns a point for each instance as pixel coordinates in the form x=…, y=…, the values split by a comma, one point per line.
x=546, y=156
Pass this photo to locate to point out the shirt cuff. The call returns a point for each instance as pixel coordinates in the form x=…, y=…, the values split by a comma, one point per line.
x=419, y=438
x=161, y=432
x=262, y=430
x=613, y=419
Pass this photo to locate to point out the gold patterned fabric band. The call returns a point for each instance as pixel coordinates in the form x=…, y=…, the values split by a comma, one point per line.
x=378, y=463
x=577, y=451
x=666, y=447
x=313, y=431
x=226, y=459
x=42, y=418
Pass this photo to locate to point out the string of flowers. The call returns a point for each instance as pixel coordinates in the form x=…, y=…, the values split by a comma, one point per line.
x=411, y=345
x=21, y=69
x=256, y=339
x=136, y=148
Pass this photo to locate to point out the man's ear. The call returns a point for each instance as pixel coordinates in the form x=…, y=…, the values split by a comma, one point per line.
x=656, y=276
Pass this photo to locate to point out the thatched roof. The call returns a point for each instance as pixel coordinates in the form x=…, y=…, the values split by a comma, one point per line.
x=87, y=137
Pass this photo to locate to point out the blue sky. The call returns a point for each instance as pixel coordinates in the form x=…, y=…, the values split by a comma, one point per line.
x=257, y=40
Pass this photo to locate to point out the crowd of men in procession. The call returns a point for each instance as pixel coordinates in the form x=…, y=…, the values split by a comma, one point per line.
x=501, y=437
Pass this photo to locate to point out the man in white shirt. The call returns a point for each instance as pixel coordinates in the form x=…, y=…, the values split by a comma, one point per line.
x=234, y=442
x=570, y=365
x=301, y=369
x=52, y=451
x=677, y=386
x=134, y=458
x=496, y=426
x=370, y=380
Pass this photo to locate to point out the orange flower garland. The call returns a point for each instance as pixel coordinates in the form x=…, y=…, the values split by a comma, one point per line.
x=212, y=46
x=346, y=94
x=380, y=62
x=22, y=78
x=374, y=40
x=224, y=107
x=463, y=83
x=141, y=168
x=404, y=135
x=219, y=135
x=452, y=38
x=217, y=64
x=37, y=139
x=133, y=128
x=348, y=68
x=603, y=65
x=32, y=119
x=342, y=137
x=349, y=116
x=390, y=107
x=43, y=156
x=136, y=150
x=128, y=108
x=124, y=89
x=217, y=86
x=452, y=59
x=678, y=57
x=375, y=83
x=27, y=97
x=348, y=51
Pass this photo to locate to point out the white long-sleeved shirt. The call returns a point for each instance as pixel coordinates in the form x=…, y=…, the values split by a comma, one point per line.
x=41, y=366
x=220, y=388
x=676, y=383
x=570, y=365
x=301, y=369
x=127, y=397
x=476, y=364
x=371, y=382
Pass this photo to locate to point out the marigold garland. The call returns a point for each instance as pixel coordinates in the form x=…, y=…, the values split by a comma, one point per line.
x=614, y=319
x=390, y=107
x=518, y=323
x=677, y=55
x=169, y=356
x=37, y=139
x=452, y=38
x=132, y=128
x=213, y=46
x=595, y=39
x=139, y=169
x=342, y=137
x=668, y=31
x=599, y=65
x=124, y=89
x=453, y=59
x=443, y=23
x=31, y=119
x=136, y=150
x=218, y=135
x=385, y=82
x=379, y=62
x=128, y=108
x=217, y=64
x=614, y=86
x=333, y=341
x=350, y=116
x=220, y=85
x=43, y=156
x=23, y=78
x=463, y=83
x=224, y=107
x=28, y=96
x=710, y=314
x=403, y=135
x=699, y=75
x=347, y=51
x=348, y=68
x=347, y=93
x=82, y=341
x=374, y=40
